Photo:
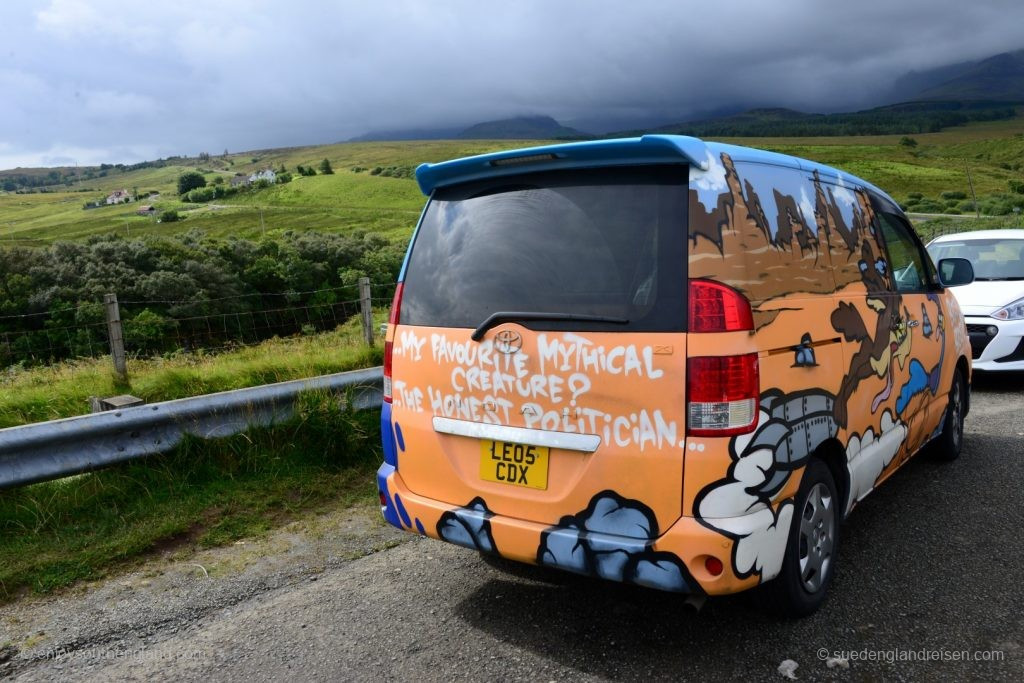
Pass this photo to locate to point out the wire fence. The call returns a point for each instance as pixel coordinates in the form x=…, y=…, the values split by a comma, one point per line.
x=151, y=328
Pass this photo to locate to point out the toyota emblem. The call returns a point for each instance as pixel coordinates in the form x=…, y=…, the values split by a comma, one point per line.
x=508, y=341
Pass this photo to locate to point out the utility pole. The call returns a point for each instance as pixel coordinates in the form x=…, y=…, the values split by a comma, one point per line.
x=974, y=197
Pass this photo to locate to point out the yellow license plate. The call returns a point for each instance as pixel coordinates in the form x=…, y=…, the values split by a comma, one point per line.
x=514, y=463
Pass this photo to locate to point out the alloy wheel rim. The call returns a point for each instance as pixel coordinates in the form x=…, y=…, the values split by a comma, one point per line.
x=957, y=408
x=817, y=537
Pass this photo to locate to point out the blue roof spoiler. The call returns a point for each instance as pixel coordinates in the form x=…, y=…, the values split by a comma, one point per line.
x=649, y=149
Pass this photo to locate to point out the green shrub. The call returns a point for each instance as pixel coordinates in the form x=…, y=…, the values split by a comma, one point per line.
x=954, y=195
x=169, y=216
x=929, y=206
x=147, y=332
x=190, y=180
x=203, y=194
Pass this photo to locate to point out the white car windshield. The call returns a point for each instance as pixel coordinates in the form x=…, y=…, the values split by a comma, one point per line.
x=993, y=259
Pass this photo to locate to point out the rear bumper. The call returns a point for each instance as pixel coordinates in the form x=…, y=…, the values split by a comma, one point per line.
x=675, y=561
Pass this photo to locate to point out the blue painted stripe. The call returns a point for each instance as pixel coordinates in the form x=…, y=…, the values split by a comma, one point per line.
x=389, y=511
x=387, y=435
x=400, y=437
x=402, y=511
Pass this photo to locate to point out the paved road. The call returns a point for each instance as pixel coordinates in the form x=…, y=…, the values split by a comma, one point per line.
x=931, y=563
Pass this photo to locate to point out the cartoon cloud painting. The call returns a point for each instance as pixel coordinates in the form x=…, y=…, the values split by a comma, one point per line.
x=469, y=527
x=869, y=454
x=612, y=539
x=740, y=506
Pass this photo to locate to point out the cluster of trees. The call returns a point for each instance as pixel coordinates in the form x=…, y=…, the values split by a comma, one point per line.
x=20, y=181
x=169, y=286
x=325, y=168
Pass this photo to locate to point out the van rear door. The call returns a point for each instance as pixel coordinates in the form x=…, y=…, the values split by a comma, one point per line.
x=540, y=353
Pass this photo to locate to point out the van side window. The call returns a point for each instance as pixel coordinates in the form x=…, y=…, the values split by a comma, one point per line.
x=910, y=272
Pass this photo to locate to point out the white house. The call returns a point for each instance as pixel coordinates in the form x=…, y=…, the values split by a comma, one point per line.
x=266, y=174
x=118, y=196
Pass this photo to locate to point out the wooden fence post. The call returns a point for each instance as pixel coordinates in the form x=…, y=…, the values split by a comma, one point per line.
x=366, y=309
x=116, y=335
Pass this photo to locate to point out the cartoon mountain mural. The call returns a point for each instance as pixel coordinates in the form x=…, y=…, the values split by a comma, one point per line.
x=787, y=244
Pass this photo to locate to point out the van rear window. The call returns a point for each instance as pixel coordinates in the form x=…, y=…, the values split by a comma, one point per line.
x=606, y=243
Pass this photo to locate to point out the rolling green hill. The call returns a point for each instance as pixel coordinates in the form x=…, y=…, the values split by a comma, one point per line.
x=340, y=202
x=349, y=200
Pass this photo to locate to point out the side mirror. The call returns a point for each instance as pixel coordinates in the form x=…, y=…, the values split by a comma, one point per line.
x=954, y=272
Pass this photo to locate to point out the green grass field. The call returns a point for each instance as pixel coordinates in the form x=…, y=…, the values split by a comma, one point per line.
x=993, y=151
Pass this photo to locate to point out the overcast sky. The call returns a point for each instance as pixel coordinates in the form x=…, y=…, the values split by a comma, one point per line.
x=93, y=81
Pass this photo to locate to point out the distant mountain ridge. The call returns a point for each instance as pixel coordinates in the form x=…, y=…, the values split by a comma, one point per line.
x=520, y=127
x=514, y=128
x=997, y=78
x=906, y=118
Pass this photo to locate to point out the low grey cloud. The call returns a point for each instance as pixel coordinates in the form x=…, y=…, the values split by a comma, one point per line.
x=92, y=81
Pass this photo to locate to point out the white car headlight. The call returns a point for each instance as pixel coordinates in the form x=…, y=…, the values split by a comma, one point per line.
x=1014, y=311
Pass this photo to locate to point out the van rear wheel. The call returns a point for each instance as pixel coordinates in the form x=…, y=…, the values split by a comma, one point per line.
x=809, y=562
x=947, y=445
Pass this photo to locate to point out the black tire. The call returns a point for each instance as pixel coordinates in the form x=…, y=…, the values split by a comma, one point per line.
x=947, y=445
x=810, y=559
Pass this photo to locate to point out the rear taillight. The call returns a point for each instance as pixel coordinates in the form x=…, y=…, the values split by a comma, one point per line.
x=717, y=308
x=722, y=394
x=396, y=314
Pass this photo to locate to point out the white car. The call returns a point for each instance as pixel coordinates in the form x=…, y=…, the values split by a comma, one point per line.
x=993, y=305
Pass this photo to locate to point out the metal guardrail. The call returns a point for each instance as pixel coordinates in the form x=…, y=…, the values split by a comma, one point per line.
x=59, y=448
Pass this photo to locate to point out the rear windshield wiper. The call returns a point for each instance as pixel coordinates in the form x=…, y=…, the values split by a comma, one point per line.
x=515, y=316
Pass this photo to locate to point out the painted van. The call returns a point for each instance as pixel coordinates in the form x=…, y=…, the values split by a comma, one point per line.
x=661, y=361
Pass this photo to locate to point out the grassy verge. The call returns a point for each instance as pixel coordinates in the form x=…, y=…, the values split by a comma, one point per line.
x=204, y=493
x=62, y=390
